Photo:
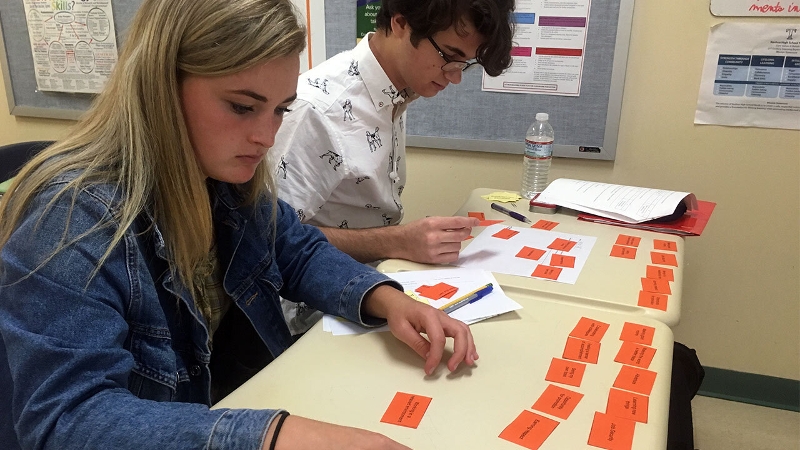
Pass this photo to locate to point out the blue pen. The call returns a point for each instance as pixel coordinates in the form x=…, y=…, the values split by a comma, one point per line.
x=473, y=296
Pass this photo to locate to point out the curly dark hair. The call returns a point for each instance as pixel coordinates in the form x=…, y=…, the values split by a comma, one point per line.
x=492, y=19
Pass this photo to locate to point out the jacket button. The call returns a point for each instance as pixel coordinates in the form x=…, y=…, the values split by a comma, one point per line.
x=194, y=370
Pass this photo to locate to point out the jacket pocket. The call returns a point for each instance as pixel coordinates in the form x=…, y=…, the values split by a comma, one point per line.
x=154, y=375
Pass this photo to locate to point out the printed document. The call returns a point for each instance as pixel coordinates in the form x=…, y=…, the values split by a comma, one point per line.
x=626, y=203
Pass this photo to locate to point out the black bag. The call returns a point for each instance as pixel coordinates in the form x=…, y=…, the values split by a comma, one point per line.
x=687, y=375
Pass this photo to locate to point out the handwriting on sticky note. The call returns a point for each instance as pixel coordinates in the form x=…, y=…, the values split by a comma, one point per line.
x=627, y=405
x=529, y=430
x=406, y=410
x=506, y=233
x=477, y=215
x=545, y=225
x=659, y=244
x=634, y=332
x=542, y=271
x=635, y=379
x=657, y=286
x=557, y=401
x=565, y=372
x=437, y=291
x=505, y=197
x=653, y=300
x=635, y=354
x=630, y=241
x=581, y=350
x=660, y=273
x=666, y=259
x=562, y=245
x=620, y=251
x=530, y=253
x=590, y=329
x=610, y=432
x=559, y=260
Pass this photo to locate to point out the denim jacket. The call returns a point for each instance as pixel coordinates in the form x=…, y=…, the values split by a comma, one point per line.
x=123, y=361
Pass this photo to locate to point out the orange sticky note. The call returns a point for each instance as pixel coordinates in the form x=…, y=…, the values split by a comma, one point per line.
x=630, y=241
x=620, y=251
x=660, y=273
x=544, y=225
x=477, y=215
x=640, y=334
x=542, y=271
x=506, y=233
x=657, y=286
x=581, y=350
x=562, y=245
x=437, y=291
x=562, y=260
x=486, y=223
x=635, y=379
x=590, y=329
x=529, y=430
x=635, y=354
x=406, y=410
x=667, y=259
x=530, y=253
x=565, y=372
x=557, y=401
x=653, y=300
x=627, y=405
x=671, y=246
x=610, y=432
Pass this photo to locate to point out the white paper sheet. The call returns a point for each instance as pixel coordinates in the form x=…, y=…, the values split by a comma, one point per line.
x=499, y=255
x=466, y=280
x=549, y=48
x=626, y=203
x=751, y=76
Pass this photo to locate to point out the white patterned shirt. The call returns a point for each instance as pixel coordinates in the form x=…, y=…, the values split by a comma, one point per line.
x=340, y=153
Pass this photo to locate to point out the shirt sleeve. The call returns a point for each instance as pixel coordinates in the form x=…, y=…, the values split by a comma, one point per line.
x=308, y=159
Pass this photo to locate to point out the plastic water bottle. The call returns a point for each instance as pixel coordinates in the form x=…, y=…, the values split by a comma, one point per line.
x=538, y=156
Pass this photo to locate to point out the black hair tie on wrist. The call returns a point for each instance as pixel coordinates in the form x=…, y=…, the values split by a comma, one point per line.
x=283, y=416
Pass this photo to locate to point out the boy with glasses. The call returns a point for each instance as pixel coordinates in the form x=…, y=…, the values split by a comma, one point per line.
x=340, y=154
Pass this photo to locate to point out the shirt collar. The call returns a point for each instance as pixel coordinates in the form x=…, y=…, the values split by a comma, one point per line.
x=381, y=90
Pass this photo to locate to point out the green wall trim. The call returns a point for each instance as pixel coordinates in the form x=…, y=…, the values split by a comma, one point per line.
x=762, y=390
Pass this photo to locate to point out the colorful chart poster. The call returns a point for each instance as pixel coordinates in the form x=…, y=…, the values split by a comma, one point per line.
x=73, y=44
x=550, y=41
x=751, y=76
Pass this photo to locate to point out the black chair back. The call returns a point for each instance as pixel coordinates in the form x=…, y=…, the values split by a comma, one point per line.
x=14, y=156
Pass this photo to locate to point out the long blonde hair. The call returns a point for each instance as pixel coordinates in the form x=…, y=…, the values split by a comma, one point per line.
x=134, y=137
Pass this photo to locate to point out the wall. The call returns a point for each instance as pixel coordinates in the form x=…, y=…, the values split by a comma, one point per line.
x=741, y=307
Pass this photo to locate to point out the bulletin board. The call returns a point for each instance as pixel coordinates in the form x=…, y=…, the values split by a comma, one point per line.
x=463, y=117
x=24, y=99
x=16, y=61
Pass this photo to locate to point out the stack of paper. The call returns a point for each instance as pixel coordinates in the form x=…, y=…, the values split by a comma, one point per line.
x=463, y=280
x=629, y=204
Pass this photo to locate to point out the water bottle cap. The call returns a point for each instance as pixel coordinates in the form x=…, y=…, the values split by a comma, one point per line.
x=542, y=116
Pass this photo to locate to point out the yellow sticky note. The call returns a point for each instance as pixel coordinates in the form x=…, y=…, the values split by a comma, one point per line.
x=504, y=197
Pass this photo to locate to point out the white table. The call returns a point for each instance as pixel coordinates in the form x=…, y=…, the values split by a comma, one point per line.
x=351, y=380
x=611, y=281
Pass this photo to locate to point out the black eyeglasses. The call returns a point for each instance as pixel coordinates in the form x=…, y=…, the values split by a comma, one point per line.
x=452, y=65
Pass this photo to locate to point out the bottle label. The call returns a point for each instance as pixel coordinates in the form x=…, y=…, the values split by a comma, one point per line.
x=538, y=149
